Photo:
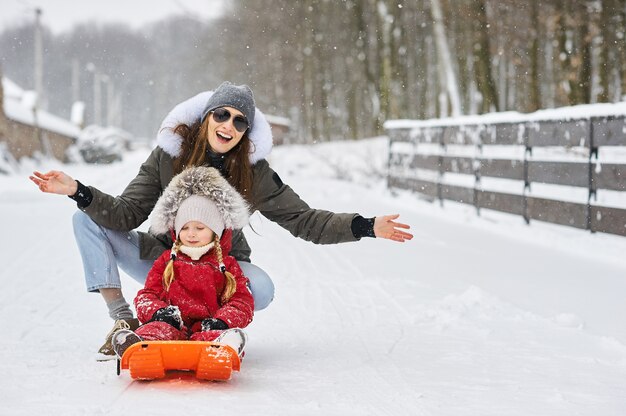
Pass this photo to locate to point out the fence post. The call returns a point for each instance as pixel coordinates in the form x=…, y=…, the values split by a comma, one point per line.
x=442, y=147
x=593, y=152
x=390, y=145
x=477, y=162
x=527, y=152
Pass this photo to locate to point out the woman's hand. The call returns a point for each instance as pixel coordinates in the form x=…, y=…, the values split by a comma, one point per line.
x=386, y=227
x=54, y=182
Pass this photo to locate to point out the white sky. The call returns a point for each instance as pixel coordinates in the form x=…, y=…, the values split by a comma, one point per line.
x=62, y=15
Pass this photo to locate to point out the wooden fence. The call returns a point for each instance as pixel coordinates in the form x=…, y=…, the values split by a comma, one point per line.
x=420, y=158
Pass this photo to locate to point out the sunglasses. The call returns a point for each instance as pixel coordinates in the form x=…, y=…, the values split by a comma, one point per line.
x=222, y=115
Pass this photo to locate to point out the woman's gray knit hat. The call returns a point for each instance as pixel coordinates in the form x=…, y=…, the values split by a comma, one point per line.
x=230, y=95
x=199, y=194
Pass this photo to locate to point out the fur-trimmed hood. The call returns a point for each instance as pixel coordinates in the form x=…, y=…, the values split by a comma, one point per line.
x=190, y=111
x=203, y=181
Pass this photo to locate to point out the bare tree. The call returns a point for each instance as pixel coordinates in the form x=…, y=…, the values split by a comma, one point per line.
x=341, y=69
x=482, y=57
x=445, y=60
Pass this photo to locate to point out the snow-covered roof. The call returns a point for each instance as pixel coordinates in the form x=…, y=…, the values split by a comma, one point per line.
x=279, y=121
x=17, y=105
x=11, y=89
x=577, y=112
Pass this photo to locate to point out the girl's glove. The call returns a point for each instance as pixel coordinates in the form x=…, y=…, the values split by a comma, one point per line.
x=213, y=323
x=169, y=315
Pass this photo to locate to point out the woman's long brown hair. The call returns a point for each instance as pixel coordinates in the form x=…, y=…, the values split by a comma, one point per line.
x=195, y=145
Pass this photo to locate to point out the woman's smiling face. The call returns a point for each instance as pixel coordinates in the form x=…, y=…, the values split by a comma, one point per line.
x=223, y=136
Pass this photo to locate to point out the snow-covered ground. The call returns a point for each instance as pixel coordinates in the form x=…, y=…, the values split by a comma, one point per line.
x=474, y=316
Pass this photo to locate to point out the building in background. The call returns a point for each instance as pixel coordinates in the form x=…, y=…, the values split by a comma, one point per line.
x=280, y=129
x=27, y=132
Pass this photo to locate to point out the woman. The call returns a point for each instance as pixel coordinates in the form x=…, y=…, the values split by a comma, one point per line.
x=222, y=129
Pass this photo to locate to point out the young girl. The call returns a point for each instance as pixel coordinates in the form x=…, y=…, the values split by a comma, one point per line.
x=195, y=291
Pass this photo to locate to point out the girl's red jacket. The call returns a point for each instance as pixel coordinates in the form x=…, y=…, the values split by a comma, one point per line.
x=196, y=289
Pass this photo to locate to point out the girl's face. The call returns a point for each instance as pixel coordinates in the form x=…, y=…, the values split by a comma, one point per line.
x=223, y=136
x=195, y=234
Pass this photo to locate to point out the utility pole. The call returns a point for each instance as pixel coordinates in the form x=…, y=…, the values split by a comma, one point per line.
x=110, y=97
x=38, y=75
x=97, y=94
x=117, y=108
x=97, y=98
x=78, y=107
x=38, y=59
x=75, y=80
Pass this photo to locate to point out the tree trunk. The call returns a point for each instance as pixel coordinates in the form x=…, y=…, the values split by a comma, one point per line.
x=384, y=50
x=445, y=60
x=584, y=74
x=611, y=58
x=564, y=81
x=622, y=52
x=535, y=57
x=482, y=54
x=363, y=55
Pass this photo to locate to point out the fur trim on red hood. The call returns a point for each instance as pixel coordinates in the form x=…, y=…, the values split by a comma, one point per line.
x=202, y=181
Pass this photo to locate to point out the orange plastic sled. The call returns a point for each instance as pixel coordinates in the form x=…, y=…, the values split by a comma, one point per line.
x=149, y=360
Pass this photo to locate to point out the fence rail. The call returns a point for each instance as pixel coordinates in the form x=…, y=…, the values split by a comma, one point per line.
x=422, y=155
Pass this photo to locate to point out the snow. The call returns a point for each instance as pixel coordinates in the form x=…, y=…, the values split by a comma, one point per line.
x=477, y=315
x=577, y=112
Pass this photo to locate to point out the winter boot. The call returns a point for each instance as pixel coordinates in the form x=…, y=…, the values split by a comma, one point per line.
x=106, y=351
x=123, y=339
x=235, y=338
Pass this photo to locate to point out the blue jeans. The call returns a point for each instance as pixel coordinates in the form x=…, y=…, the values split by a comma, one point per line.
x=104, y=250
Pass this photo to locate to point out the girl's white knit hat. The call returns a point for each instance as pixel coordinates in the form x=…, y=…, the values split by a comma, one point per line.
x=199, y=194
x=201, y=209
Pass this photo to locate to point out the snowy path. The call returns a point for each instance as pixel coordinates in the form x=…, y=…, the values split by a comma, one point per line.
x=475, y=316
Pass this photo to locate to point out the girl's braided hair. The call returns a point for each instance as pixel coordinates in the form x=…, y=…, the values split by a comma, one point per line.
x=230, y=285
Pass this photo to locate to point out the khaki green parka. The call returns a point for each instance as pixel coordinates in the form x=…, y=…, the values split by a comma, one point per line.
x=273, y=199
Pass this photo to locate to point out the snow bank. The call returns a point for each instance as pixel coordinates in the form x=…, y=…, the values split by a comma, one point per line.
x=474, y=316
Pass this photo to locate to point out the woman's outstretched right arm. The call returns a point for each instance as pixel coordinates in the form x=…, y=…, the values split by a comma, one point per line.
x=124, y=212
